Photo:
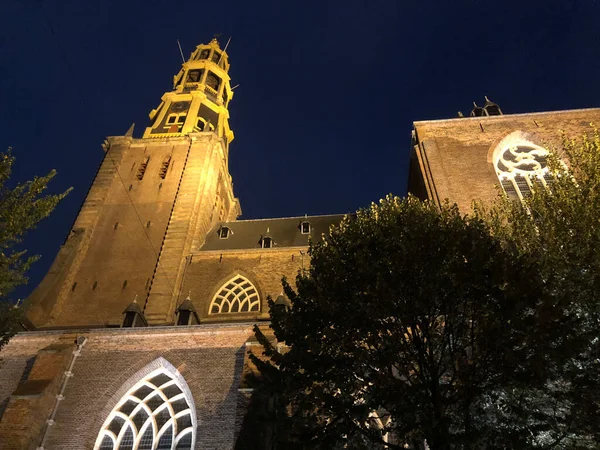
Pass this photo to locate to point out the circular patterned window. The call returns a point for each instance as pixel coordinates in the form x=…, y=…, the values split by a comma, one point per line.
x=520, y=166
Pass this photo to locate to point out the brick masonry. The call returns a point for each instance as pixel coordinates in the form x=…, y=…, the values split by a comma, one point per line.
x=155, y=247
x=452, y=158
x=208, y=271
x=132, y=235
x=210, y=358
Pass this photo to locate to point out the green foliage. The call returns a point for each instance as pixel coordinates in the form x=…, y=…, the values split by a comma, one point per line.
x=558, y=230
x=404, y=311
x=473, y=331
x=10, y=319
x=21, y=208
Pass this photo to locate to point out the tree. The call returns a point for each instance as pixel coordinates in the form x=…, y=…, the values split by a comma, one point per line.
x=410, y=313
x=22, y=206
x=558, y=228
x=473, y=331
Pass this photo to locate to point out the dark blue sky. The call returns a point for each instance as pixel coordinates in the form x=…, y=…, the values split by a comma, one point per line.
x=328, y=89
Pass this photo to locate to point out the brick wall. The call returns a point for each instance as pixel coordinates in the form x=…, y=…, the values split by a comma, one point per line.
x=208, y=271
x=127, y=223
x=454, y=156
x=210, y=358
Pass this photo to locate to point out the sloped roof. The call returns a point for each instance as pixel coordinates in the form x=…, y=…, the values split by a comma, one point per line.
x=285, y=232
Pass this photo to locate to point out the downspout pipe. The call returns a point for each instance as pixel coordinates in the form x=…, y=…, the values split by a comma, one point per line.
x=80, y=341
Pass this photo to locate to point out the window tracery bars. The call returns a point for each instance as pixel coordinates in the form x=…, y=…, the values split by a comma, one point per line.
x=153, y=415
x=520, y=166
x=237, y=295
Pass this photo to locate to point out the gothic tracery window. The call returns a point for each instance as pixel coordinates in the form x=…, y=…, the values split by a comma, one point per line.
x=520, y=166
x=237, y=295
x=155, y=414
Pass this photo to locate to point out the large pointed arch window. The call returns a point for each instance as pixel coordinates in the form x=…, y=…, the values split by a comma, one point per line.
x=155, y=414
x=236, y=295
x=520, y=165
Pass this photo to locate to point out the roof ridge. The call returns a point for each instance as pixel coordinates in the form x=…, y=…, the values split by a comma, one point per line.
x=292, y=217
x=506, y=116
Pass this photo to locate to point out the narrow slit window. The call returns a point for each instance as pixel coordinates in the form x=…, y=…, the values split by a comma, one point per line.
x=164, y=167
x=142, y=168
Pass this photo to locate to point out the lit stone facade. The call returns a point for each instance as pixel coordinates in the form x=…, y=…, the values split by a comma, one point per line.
x=151, y=204
x=454, y=158
x=159, y=225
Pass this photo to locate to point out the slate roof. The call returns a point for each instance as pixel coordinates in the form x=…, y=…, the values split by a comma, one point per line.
x=285, y=232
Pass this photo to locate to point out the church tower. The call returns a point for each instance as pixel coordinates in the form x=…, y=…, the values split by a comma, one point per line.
x=145, y=319
x=151, y=204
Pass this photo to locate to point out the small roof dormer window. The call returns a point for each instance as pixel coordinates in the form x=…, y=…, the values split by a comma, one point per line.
x=224, y=232
x=133, y=316
x=305, y=227
x=186, y=313
x=266, y=242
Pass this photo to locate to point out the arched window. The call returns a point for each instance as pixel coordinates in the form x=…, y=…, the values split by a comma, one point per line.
x=155, y=414
x=237, y=295
x=194, y=76
x=519, y=165
x=213, y=81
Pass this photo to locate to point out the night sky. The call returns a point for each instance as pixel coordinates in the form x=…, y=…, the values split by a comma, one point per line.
x=328, y=90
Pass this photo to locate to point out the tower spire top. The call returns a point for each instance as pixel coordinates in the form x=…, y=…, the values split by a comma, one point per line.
x=215, y=38
x=130, y=130
x=199, y=100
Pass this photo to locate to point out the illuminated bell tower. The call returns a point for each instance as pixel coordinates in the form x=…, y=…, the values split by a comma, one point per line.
x=151, y=205
x=200, y=97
